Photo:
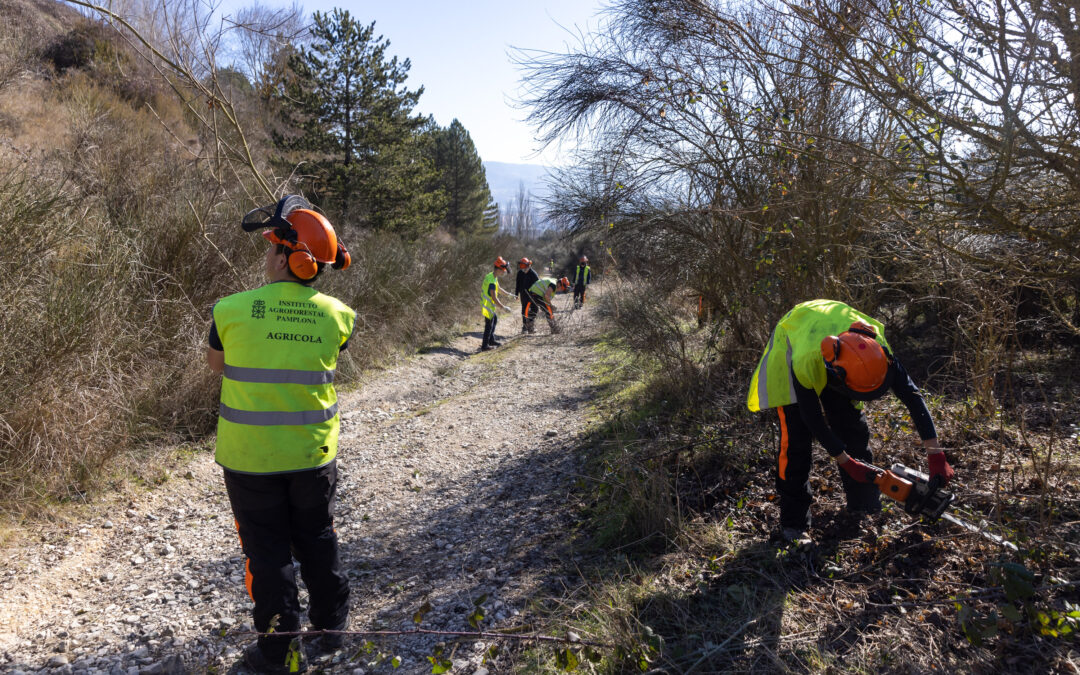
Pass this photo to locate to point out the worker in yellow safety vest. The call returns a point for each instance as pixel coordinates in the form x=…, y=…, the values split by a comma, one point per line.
x=582, y=277
x=540, y=296
x=823, y=359
x=277, y=348
x=489, y=301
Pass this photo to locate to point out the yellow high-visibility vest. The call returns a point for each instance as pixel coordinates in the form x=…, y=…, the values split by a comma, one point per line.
x=579, y=276
x=487, y=303
x=795, y=347
x=279, y=411
x=539, y=289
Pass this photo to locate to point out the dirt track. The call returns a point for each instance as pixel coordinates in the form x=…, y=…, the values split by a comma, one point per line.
x=454, y=471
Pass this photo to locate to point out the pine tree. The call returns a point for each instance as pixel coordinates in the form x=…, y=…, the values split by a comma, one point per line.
x=351, y=132
x=461, y=177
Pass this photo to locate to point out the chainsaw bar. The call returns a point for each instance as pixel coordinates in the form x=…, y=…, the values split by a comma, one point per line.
x=971, y=527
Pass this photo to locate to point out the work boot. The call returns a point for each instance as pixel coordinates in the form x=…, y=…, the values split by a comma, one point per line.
x=495, y=343
x=257, y=661
x=326, y=643
x=796, y=538
x=486, y=348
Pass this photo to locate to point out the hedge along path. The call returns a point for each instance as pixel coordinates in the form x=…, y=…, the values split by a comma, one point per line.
x=455, y=469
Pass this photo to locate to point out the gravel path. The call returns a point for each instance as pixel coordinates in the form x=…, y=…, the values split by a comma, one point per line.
x=454, y=472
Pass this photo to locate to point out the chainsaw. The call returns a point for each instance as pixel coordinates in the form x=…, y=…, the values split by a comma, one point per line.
x=926, y=497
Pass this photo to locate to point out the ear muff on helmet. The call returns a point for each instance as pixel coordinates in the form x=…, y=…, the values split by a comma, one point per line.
x=303, y=264
x=342, y=260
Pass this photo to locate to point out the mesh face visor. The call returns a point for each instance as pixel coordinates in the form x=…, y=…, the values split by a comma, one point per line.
x=273, y=216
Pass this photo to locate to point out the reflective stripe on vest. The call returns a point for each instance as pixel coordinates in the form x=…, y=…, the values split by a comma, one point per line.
x=795, y=348
x=279, y=410
x=279, y=376
x=487, y=304
x=277, y=418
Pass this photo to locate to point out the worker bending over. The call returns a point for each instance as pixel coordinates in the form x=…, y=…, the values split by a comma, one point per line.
x=582, y=275
x=277, y=436
x=526, y=277
x=489, y=298
x=540, y=295
x=827, y=357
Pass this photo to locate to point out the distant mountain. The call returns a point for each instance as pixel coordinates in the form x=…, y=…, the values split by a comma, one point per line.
x=504, y=178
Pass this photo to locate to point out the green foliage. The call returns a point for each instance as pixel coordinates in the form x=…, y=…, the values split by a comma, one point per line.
x=478, y=613
x=1021, y=610
x=439, y=664
x=460, y=177
x=292, y=660
x=351, y=133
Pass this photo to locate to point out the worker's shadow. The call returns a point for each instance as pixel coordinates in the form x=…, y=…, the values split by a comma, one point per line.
x=737, y=614
x=734, y=622
x=448, y=350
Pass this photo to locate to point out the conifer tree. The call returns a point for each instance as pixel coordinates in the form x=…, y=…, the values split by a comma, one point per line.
x=461, y=178
x=350, y=131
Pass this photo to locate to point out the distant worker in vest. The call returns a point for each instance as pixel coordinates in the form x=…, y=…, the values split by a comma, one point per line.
x=582, y=275
x=277, y=436
x=489, y=299
x=540, y=296
x=823, y=359
x=526, y=277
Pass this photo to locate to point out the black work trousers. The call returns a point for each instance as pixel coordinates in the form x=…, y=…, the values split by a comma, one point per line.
x=279, y=517
x=537, y=305
x=489, y=330
x=579, y=295
x=524, y=297
x=795, y=458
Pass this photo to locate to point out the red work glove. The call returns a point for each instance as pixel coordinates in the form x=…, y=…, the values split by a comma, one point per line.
x=940, y=467
x=859, y=471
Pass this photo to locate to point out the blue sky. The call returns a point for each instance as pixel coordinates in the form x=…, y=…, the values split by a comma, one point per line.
x=459, y=52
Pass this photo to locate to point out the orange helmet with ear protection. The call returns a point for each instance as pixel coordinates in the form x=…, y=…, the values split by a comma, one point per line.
x=562, y=285
x=524, y=264
x=306, y=233
x=856, y=363
x=501, y=264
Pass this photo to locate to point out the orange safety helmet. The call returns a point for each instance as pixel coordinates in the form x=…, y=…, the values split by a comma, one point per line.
x=501, y=264
x=583, y=259
x=562, y=285
x=524, y=264
x=857, y=365
x=306, y=233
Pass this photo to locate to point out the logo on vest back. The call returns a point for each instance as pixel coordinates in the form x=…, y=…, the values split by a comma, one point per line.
x=294, y=337
x=258, y=309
